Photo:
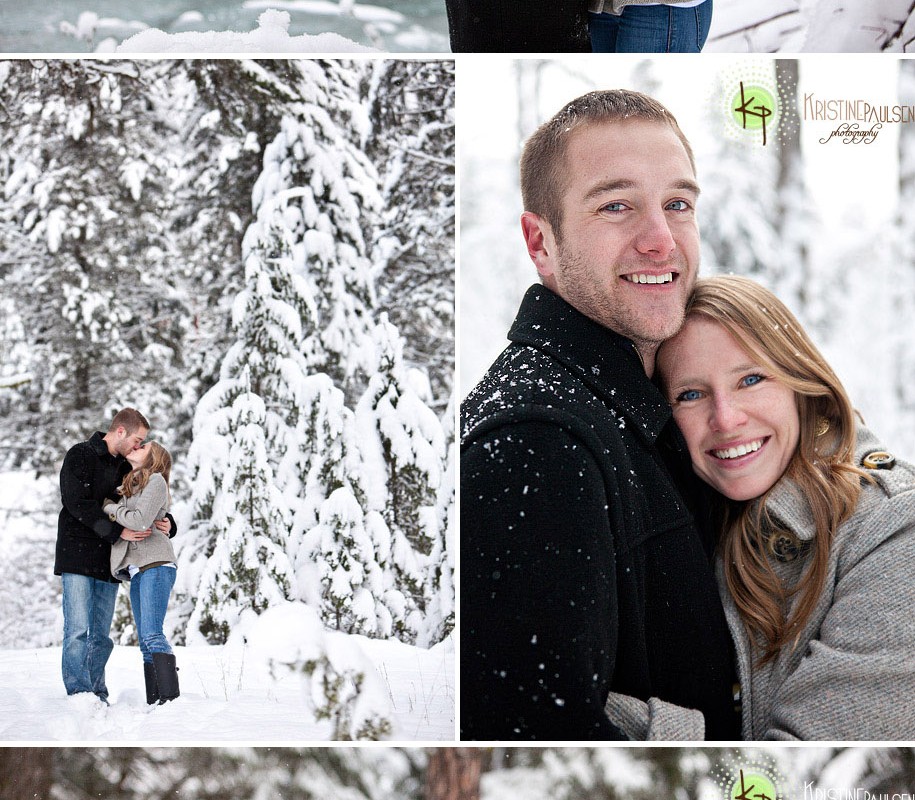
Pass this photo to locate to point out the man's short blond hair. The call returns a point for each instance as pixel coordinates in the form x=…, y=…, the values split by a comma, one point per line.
x=543, y=168
x=130, y=420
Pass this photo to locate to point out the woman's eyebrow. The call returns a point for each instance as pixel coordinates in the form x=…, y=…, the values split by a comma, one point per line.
x=685, y=382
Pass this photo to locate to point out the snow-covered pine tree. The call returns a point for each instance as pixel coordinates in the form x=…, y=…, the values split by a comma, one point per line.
x=329, y=192
x=439, y=621
x=339, y=549
x=310, y=204
x=212, y=773
x=85, y=197
x=265, y=361
x=413, y=140
x=404, y=449
x=349, y=550
x=249, y=567
x=229, y=109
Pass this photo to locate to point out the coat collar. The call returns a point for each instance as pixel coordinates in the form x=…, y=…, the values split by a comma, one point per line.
x=788, y=504
x=607, y=362
x=97, y=443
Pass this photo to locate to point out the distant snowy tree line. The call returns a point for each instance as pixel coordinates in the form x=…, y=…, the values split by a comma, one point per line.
x=823, y=26
x=447, y=773
x=259, y=256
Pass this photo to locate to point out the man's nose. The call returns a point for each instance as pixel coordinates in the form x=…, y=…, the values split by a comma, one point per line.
x=655, y=238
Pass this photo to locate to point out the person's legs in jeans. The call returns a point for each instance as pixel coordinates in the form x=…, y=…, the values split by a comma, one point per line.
x=689, y=27
x=149, y=593
x=104, y=597
x=88, y=606
x=136, y=606
x=652, y=29
x=603, y=29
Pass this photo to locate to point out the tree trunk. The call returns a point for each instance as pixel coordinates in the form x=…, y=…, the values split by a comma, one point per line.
x=25, y=772
x=454, y=773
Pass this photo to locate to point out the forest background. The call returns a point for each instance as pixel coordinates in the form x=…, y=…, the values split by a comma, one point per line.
x=456, y=773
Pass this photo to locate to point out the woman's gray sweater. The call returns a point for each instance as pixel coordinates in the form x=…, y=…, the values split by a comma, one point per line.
x=850, y=674
x=138, y=512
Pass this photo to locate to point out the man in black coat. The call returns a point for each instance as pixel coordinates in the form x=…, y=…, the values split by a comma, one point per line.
x=91, y=472
x=518, y=26
x=588, y=603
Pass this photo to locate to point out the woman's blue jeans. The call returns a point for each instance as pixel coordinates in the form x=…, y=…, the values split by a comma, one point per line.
x=88, y=606
x=651, y=29
x=149, y=593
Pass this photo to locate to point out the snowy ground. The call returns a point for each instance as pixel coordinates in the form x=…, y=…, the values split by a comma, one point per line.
x=222, y=699
x=227, y=692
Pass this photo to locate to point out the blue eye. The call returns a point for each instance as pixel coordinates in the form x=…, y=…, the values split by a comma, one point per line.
x=688, y=395
x=613, y=208
x=678, y=205
x=752, y=380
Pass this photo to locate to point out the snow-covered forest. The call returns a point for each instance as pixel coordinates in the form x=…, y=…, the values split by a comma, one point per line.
x=827, y=226
x=452, y=773
x=260, y=257
x=816, y=26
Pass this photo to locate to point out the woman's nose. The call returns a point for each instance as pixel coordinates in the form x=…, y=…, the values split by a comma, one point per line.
x=727, y=414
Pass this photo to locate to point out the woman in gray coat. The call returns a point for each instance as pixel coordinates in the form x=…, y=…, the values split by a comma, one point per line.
x=817, y=521
x=149, y=564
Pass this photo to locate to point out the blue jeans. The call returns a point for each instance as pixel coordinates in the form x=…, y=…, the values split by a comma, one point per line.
x=651, y=29
x=88, y=610
x=149, y=593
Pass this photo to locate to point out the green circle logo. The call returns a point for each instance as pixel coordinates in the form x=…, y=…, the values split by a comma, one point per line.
x=753, y=786
x=752, y=106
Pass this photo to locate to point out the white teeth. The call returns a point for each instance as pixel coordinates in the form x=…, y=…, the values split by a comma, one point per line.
x=740, y=450
x=642, y=278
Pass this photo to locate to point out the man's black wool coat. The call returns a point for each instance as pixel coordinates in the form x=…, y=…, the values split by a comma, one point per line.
x=84, y=532
x=582, y=570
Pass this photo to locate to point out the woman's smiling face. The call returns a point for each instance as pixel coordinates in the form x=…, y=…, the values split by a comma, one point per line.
x=741, y=425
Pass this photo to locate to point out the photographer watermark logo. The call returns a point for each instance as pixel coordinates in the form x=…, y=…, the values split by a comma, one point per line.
x=752, y=107
x=753, y=785
x=755, y=106
x=757, y=779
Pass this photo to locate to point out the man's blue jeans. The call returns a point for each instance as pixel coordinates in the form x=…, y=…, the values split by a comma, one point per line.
x=651, y=29
x=149, y=593
x=88, y=611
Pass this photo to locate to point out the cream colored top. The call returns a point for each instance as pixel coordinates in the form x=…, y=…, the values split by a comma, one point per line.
x=617, y=6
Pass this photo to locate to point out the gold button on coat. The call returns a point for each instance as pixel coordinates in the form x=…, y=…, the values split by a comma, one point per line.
x=879, y=459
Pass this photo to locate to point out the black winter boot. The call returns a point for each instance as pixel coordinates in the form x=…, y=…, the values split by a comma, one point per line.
x=152, y=688
x=166, y=676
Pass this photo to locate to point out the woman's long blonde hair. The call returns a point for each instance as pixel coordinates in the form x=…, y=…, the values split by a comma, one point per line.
x=158, y=460
x=822, y=467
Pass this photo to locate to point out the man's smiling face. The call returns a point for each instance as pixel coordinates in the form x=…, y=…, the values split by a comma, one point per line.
x=628, y=251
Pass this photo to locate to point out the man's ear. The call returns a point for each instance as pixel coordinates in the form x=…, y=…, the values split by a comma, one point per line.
x=541, y=245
